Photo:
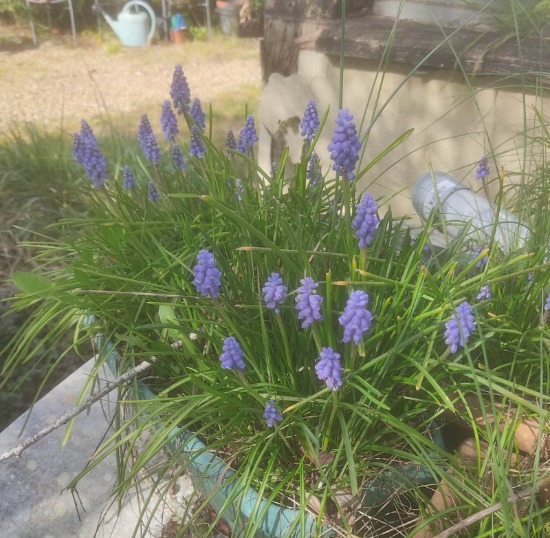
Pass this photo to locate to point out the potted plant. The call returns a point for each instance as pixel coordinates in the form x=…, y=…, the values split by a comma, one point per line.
x=293, y=333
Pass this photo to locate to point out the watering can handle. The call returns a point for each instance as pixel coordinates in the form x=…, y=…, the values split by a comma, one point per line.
x=150, y=12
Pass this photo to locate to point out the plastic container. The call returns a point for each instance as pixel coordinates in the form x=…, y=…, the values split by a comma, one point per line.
x=458, y=206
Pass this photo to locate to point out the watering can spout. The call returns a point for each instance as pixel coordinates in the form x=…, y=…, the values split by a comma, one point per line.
x=134, y=28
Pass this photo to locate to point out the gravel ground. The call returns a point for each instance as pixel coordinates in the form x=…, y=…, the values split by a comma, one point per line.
x=56, y=84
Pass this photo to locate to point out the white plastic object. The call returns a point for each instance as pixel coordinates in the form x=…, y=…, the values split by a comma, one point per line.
x=458, y=206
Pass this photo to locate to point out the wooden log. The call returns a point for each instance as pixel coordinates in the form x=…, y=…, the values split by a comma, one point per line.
x=441, y=49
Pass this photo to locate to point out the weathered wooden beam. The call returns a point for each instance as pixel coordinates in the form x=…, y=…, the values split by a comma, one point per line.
x=481, y=53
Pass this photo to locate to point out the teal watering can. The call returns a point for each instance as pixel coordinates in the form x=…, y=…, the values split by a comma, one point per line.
x=134, y=28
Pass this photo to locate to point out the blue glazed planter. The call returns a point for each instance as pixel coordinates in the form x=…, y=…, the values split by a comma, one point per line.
x=214, y=479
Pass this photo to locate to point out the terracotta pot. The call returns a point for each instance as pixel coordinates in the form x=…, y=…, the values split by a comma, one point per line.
x=177, y=36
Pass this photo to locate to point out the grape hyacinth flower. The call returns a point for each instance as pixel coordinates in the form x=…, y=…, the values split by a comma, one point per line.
x=356, y=319
x=179, y=91
x=232, y=356
x=230, y=143
x=239, y=190
x=483, y=261
x=207, y=275
x=313, y=172
x=344, y=146
x=271, y=414
x=147, y=140
x=308, y=303
x=128, y=179
x=459, y=327
x=168, y=122
x=196, y=146
x=86, y=152
x=366, y=220
x=177, y=157
x=482, y=169
x=329, y=368
x=274, y=292
x=310, y=121
x=484, y=292
x=547, y=304
x=274, y=171
x=152, y=192
x=247, y=136
x=197, y=115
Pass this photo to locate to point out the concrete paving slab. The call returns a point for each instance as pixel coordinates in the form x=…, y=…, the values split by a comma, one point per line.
x=33, y=502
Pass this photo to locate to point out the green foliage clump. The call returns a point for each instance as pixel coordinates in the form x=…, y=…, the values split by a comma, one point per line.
x=124, y=273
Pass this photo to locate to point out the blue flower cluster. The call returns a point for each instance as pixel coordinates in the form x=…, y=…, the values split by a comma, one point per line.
x=482, y=169
x=345, y=146
x=177, y=157
x=230, y=143
x=484, y=292
x=366, y=220
x=271, y=414
x=197, y=115
x=232, y=356
x=274, y=292
x=247, y=136
x=147, y=140
x=196, y=146
x=206, y=275
x=168, y=122
x=482, y=261
x=152, y=193
x=313, y=171
x=356, y=319
x=329, y=368
x=87, y=153
x=308, y=303
x=128, y=179
x=179, y=91
x=310, y=121
x=459, y=327
x=547, y=304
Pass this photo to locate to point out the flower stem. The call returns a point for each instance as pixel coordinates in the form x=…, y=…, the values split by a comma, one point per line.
x=326, y=436
x=347, y=209
x=287, y=349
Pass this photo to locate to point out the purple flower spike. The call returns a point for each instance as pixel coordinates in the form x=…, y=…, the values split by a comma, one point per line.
x=313, y=172
x=344, y=146
x=147, y=140
x=459, y=327
x=197, y=115
x=196, y=146
x=207, y=275
x=128, y=179
x=179, y=91
x=177, y=157
x=247, y=136
x=366, y=220
x=274, y=292
x=232, y=356
x=230, y=143
x=152, y=192
x=310, y=121
x=356, y=319
x=168, y=122
x=547, y=304
x=329, y=369
x=484, y=293
x=87, y=153
x=482, y=169
x=483, y=261
x=240, y=191
x=271, y=414
x=308, y=303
